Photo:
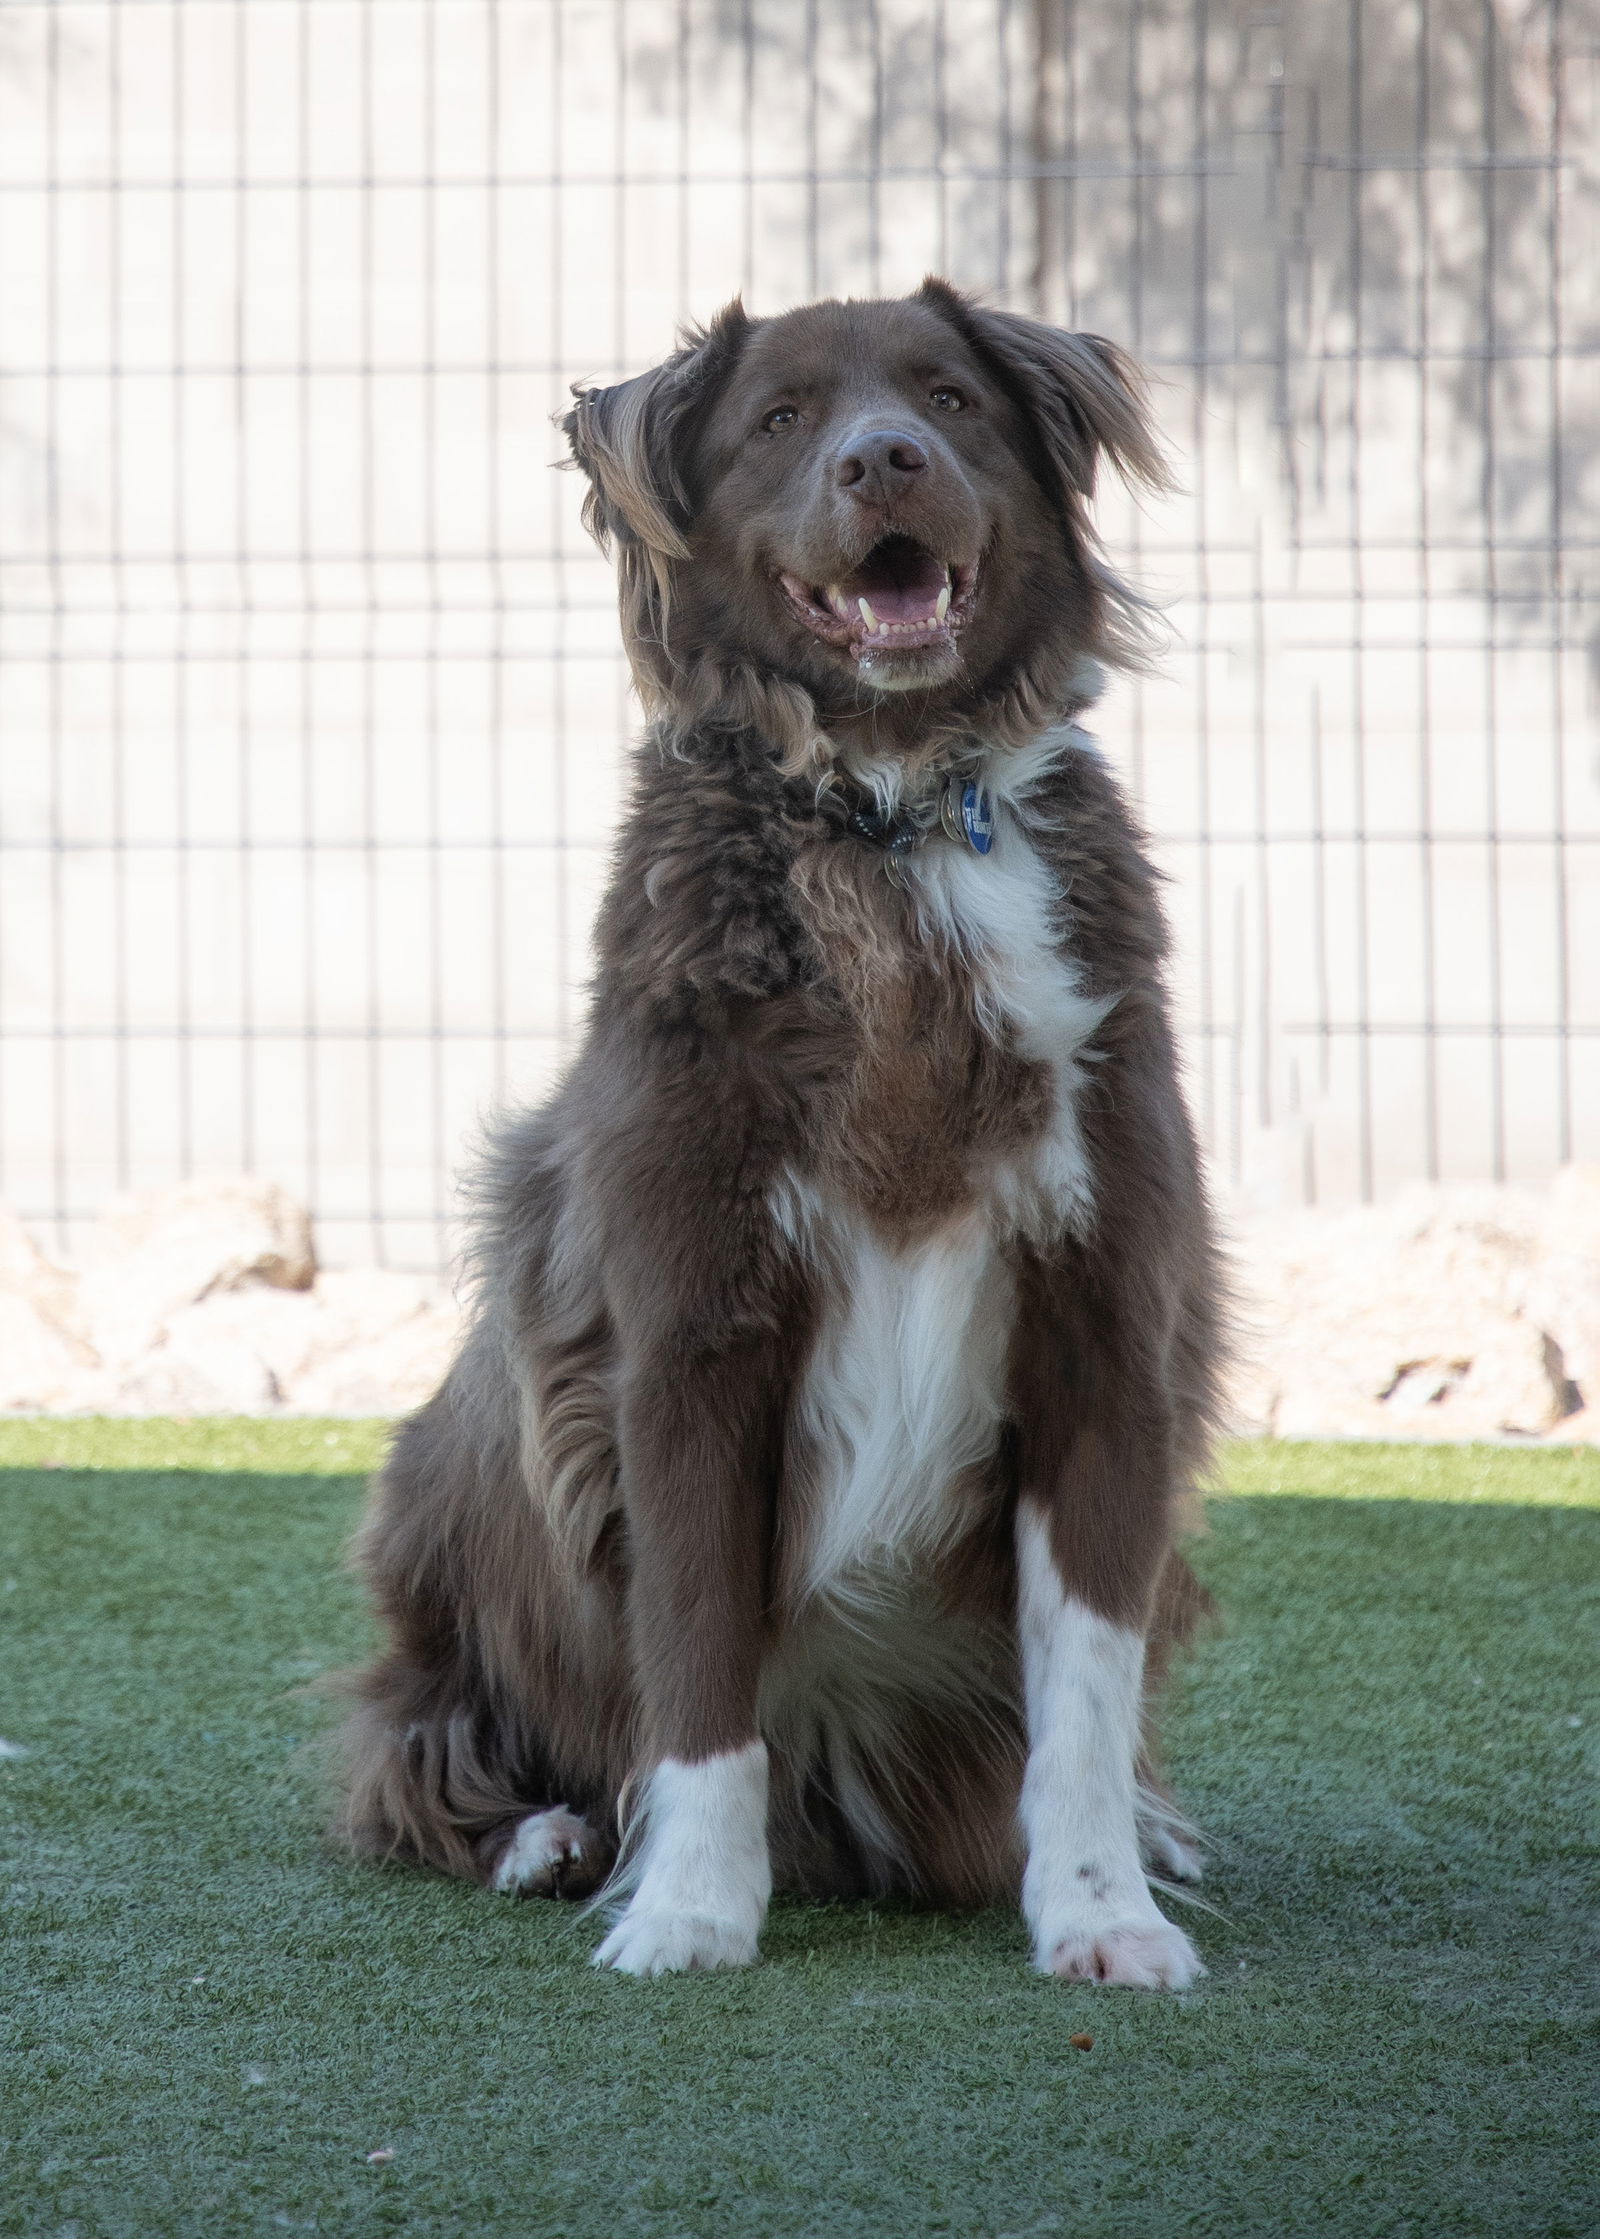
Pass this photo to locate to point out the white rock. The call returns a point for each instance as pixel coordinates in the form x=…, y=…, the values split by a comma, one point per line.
x=200, y=1372
x=385, y=1341
x=1562, y=1288
x=1431, y=1317
x=231, y=1231
x=233, y=1354
x=42, y=1369
x=385, y=1375
x=363, y=1302
x=152, y=1255
x=25, y=1270
x=1582, y=1429
x=364, y=1341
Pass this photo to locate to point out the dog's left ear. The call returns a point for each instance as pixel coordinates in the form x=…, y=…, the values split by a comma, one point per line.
x=1082, y=396
x=630, y=440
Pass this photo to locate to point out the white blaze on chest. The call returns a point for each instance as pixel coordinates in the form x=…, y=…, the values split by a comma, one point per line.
x=903, y=1396
x=1002, y=913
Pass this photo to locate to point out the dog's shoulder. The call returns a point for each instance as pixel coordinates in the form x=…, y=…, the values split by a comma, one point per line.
x=699, y=913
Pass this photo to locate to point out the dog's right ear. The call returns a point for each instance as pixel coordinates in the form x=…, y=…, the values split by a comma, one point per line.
x=630, y=440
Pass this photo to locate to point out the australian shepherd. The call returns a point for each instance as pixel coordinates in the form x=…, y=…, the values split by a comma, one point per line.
x=800, y=1510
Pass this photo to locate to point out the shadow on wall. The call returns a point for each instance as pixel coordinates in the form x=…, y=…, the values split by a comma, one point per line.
x=1231, y=194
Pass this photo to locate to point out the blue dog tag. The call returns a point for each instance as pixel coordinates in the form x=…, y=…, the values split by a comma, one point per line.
x=977, y=817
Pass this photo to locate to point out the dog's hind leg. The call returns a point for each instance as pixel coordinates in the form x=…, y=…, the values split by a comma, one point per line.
x=439, y=1782
x=447, y=1754
x=550, y=1853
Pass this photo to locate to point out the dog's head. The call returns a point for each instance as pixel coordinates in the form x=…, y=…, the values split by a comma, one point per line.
x=868, y=498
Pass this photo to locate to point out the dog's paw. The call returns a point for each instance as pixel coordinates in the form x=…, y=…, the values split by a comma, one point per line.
x=1143, y=1955
x=652, y=1941
x=1169, y=1857
x=546, y=1856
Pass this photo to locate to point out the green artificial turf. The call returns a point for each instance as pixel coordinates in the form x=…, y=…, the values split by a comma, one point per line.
x=211, y=2022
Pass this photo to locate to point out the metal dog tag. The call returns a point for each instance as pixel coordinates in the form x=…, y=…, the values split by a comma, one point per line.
x=977, y=817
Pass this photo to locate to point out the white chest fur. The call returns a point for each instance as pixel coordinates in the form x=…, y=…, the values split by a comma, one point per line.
x=1002, y=912
x=903, y=1394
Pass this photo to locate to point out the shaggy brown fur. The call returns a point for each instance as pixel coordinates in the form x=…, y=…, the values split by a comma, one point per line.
x=589, y=1550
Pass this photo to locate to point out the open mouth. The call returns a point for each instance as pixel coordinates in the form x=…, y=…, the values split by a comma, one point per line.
x=900, y=599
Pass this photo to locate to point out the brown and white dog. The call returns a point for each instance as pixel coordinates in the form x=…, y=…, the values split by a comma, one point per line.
x=803, y=1497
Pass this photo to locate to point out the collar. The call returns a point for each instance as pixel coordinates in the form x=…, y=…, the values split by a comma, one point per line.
x=961, y=812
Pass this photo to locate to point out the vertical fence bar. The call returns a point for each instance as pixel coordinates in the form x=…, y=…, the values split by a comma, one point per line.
x=376, y=1193
x=56, y=652
x=117, y=630
x=307, y=637
x=1426, y=904
x=1358, y=588
x=1557, y=588
x=555, y=532
x=244, y=572
x=494, y=420
x=1488, y=511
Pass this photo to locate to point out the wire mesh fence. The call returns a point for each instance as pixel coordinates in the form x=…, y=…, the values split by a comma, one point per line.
x=311, y=706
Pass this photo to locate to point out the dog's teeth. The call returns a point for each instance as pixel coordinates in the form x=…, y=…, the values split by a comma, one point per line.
x=941, y=605
x=867, y=615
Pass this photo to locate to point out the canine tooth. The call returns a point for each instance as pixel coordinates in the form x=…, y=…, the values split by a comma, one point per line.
x=867, y=615
x=941, y=605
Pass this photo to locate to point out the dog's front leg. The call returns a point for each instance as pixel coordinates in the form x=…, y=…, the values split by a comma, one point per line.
x=1090, y=1537
x=698, y=1447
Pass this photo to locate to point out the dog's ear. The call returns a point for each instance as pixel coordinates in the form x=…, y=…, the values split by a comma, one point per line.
x=1083, y=398
x=630, y=440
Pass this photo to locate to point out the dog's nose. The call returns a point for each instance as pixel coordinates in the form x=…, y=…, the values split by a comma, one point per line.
x=883, y=460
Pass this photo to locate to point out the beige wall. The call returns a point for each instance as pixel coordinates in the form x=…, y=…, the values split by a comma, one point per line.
x=310, y=706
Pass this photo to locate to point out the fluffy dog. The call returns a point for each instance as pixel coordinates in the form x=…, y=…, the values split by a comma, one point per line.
x=802, y=1501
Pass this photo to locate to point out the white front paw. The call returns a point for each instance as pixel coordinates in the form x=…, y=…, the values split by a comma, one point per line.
x=703, y=1872
x=1143, y=1954
x=655, y=1940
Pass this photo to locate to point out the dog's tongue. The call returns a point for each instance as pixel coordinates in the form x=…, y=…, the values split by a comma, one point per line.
x=900, y=582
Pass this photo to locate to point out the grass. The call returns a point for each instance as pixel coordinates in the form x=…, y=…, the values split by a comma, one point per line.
x=211, y=2022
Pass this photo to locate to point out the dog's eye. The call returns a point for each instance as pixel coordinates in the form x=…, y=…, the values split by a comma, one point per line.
x=784, y=417
x=948, y=400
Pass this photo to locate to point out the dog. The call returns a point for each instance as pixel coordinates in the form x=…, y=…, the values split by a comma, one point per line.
x=802, y=1508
